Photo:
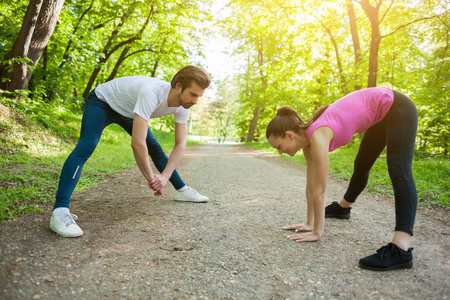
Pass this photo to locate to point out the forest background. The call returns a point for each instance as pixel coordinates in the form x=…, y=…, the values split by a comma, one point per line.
x=298, y=53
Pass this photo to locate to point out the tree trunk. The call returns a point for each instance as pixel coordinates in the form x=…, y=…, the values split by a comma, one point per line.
x=69, y=44
x=92, y=79
x=375, y=39
x=253, y=123
x=343, y=83
x=48, y=15
x=107, y=49
x=156, y=64
x=355, y=39
x=258, y=109
x=155, y=67
x=51, y=90
x=21, y=46
x=44, y=69
x=122, y=57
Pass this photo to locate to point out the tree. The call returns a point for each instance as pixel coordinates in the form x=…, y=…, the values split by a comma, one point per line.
x=109, y=48
x=263, y=32
x=372, y=13
x=37, y=28
x=355, y=41
x=66, y=55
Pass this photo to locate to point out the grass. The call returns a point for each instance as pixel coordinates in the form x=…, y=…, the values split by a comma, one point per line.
x=430, y=174
x=33, y=150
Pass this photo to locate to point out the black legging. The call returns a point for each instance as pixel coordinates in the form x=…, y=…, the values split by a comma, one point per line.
x=397, y=132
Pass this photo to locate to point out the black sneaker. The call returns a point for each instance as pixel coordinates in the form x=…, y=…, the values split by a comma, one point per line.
x=389, y=257
x=334, y=210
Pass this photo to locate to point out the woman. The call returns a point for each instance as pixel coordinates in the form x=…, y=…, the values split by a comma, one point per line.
x=390, y=120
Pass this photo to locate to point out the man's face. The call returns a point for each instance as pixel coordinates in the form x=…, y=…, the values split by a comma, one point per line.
x=190, y=95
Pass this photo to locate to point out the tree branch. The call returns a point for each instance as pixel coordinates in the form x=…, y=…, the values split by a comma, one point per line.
x=139, y=51
x=101, y=25
x=129, y=41
x=412, y=22
x=387, y=10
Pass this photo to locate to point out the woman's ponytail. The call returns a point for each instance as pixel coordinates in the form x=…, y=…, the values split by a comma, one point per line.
x=287, y=119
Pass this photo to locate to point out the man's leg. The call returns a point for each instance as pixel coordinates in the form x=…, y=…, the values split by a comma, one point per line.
x=95, y=119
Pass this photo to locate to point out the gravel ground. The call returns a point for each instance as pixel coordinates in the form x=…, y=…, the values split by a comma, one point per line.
x=137, y=246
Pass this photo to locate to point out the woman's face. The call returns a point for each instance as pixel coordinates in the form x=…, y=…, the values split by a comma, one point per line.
x=290, y=144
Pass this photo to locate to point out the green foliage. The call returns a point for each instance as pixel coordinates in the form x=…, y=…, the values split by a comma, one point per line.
x=304, y=52
x=430, y=174
x=95, y=34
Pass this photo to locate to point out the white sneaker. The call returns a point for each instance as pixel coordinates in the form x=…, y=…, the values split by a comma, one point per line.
x=190, y=195
x=65, y=225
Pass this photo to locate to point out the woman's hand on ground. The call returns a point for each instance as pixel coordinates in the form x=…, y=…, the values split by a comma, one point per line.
x=298, y=227
x=304, y=237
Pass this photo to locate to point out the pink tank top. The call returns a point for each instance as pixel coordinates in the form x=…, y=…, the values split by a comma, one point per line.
x=353, y=113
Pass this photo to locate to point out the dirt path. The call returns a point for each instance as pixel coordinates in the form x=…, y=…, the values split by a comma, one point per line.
x=141, y=247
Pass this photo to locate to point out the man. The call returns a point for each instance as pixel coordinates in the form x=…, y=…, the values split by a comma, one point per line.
x=131, y=102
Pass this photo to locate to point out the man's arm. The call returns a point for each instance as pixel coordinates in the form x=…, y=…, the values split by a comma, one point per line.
x=177, y=152
x=139, y=145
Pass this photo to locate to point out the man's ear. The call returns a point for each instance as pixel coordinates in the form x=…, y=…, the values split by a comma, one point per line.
x=178, y=86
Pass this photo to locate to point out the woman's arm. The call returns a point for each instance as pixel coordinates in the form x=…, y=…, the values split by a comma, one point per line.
x=317, y=174
x=309, y=205
x=309, y=187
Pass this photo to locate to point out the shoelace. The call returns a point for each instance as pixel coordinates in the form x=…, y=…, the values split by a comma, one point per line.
x=194, y=191
x=392, y=250
x=68, y=219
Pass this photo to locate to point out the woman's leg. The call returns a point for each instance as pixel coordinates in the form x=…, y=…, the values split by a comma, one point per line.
x=401, y=127
x=155, y=151
x=372, y=144
x=95, y=119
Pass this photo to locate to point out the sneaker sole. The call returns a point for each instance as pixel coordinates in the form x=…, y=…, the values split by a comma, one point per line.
x=67, y=235
x=193, y=201
x=396, y=267
x=338, y=216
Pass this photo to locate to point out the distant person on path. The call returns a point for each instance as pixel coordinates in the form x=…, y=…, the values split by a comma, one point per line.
x=131, y=102
x=390, y=120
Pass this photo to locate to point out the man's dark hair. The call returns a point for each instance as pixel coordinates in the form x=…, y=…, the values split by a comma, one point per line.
x=190, y=74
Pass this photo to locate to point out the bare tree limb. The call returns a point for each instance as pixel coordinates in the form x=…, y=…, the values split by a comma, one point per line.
x=412, y=22
x=387, y=10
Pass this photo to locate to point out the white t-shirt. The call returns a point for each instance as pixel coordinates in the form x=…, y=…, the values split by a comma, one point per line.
x=145, y=96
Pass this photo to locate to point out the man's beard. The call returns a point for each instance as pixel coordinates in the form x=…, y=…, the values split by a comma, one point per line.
x=180, y=100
